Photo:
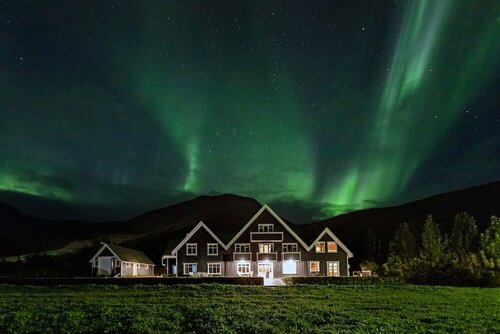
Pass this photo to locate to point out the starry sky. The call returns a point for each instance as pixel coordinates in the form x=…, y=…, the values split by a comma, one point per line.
x=111, y=108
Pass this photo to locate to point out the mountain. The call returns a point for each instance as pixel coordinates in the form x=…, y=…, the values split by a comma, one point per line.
x=22, y=234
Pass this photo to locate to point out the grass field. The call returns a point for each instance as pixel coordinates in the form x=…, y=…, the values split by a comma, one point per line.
x=249, y=309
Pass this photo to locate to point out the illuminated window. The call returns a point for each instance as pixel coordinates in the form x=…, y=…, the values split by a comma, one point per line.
x=214, y=268
x=191, y=249
x=242, y=248
x=331, y=246
x=243, y=268
x=290, y=247
x=190, y=268
x=289, y=267
x=320, y=247
x=212, y=249
x=314, y=266
x=266, y=227
x=266, y=248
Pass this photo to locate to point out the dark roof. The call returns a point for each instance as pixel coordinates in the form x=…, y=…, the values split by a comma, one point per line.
x=130, y=255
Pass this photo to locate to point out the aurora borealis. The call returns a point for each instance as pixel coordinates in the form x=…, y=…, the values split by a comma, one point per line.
x=112, y=108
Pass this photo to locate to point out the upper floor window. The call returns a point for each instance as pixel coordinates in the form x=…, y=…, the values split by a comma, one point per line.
x=331, y=247
x=266, y=248
x=191, y=249
x=320, y=247
x=242, y=248
x=290, y=247
x=212, y=249
x=266, y=227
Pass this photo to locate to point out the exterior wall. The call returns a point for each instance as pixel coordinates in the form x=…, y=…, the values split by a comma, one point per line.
x=142, y=270
x=96, y=271
x=202, y=238
x=229, y=267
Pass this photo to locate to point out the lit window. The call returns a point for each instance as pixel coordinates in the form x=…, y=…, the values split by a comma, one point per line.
x=243, y=268
x=190, y=268
x=289, y=267
x=266, y=248
x=314, y=266
x=290, y=247
x=242, y=248
x=320, y=247
x=214, y=268
x=212, y=249
x=265, y=227
x=331, y=246
x=191, y=249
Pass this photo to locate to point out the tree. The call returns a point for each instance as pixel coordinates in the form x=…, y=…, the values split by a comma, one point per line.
x=432, y=248
x=489, y=245
x=404, y=244
x=463, y=239
x=372, y=249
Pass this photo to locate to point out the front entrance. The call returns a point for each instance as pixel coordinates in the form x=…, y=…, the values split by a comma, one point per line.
x=265, y=269
x=333, y=268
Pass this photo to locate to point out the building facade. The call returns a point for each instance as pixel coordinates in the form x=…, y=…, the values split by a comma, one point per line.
x=116, y=261
x=265, y=246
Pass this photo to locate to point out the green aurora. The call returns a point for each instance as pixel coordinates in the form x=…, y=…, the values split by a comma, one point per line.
x=114, y=108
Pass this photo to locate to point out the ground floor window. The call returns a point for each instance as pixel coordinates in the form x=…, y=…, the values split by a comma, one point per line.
x=243, y=268
x=289, y=267
x=314, y=266
x=214, y=268
x=333, y=268
x=190, y=268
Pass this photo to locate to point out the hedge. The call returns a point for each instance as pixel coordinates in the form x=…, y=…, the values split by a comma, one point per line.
x=132, y=281
x=324, y=280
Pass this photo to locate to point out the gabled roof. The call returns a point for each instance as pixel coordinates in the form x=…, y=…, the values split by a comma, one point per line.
x=337, y=240
x=278, y=218
x=125, y=254
x=193, y=231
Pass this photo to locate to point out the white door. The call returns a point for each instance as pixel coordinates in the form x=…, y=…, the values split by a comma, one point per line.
x=134, y=269
x=266, y=270
x=333, y=268
x=104, y=265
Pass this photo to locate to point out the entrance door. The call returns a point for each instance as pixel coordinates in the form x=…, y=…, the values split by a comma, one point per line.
x=333, y=268
x=134, y=269
x=104, y=265
x=266, y=270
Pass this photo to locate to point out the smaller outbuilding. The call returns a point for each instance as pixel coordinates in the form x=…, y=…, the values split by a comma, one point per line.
x=117, y=261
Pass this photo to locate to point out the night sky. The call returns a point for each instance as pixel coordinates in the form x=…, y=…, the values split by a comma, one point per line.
x=112, y=108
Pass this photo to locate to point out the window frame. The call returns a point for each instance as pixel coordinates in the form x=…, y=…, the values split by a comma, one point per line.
x=294, y=245
x=185, y=264
x=328, y=246
x=310, y=266
x=188, y=245
x=243, y=264
x=239, y=245
x=271, y=249
x=265, y=228
x=219, y=264
x=320, y=243
x=216, y=249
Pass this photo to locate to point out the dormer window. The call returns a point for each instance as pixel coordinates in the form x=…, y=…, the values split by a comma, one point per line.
x=191, y=249
x=266, y=227
x=320, y=247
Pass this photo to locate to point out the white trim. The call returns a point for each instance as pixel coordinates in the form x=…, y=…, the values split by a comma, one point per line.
x=195, y=249
x=100, y=251
x=216, y=250
x=320, y=243
x=193, y=231
x=330, y=233
x=266, y=207
x=265, y=225
x=214, y=263
x=288, y=244
x=284, y=253
x=189, y=263
x=284, y=263
x=319, y=267
x=253, y=239
x=240, y=244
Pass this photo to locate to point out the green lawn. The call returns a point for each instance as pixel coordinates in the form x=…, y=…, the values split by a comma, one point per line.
x=249, y=309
